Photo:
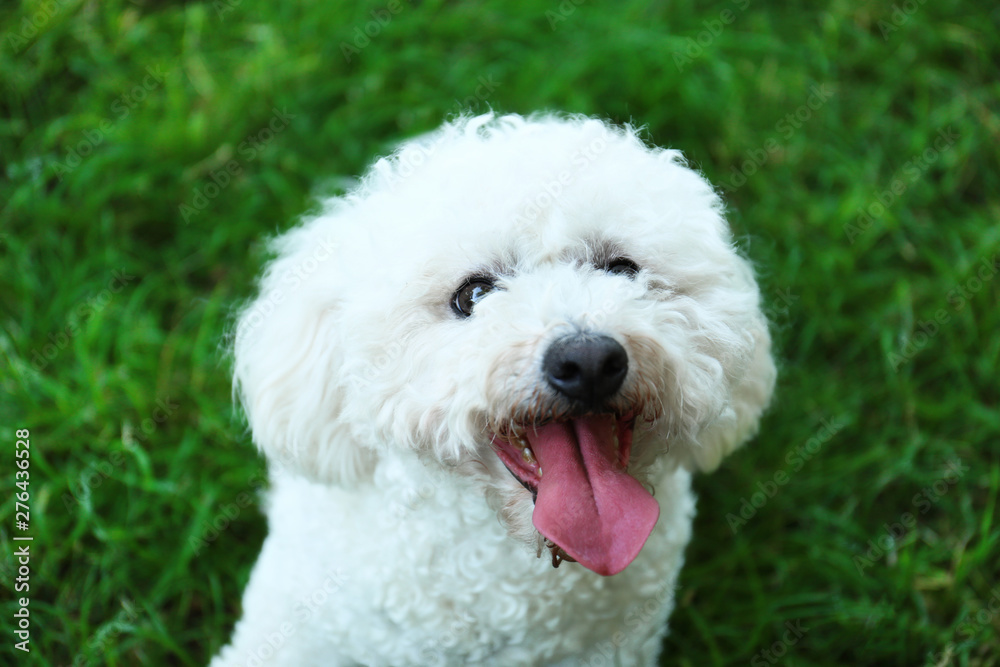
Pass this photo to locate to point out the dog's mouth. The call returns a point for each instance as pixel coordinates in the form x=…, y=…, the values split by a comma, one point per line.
x=587, y=506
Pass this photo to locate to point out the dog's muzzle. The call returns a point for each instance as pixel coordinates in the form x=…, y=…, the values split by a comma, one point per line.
x=575, y=462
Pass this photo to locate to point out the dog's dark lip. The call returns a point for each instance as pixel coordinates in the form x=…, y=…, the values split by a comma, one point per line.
x=532, y=489
x=515, y=454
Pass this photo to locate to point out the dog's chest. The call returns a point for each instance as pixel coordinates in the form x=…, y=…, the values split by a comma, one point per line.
x=441, y=581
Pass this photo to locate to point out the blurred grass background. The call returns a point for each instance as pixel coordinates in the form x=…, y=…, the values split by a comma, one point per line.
x=876, y=251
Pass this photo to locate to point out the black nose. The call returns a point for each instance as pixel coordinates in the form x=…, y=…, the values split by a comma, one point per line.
x=589, y=369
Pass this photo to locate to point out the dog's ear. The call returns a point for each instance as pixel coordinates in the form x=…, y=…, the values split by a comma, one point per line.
x=287, y=363
x=751, y=394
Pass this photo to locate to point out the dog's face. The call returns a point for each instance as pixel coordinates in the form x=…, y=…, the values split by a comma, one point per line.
x=547, y=305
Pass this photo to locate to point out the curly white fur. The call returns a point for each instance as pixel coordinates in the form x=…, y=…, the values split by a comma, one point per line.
x=376, y=403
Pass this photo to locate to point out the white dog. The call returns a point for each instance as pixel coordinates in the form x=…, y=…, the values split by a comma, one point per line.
x=507, y=348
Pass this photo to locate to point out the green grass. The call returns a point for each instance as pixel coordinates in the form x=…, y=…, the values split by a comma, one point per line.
x=136, y=448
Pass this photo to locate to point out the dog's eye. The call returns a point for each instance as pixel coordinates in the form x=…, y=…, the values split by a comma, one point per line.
x=622, y=266
x=469, y=294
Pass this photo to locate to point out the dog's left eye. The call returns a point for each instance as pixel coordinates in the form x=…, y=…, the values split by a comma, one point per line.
x=469, y=294
x=622, y=266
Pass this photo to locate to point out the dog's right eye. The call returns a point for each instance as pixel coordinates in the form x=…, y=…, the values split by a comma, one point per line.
x=469, y=294
x=623, y=266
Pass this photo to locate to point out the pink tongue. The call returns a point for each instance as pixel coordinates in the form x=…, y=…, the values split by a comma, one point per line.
x=587, y=504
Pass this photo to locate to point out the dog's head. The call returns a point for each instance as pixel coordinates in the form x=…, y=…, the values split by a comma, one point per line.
x=546, y=300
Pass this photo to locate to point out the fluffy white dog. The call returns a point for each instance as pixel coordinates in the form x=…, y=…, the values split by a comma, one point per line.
x=507, y=348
